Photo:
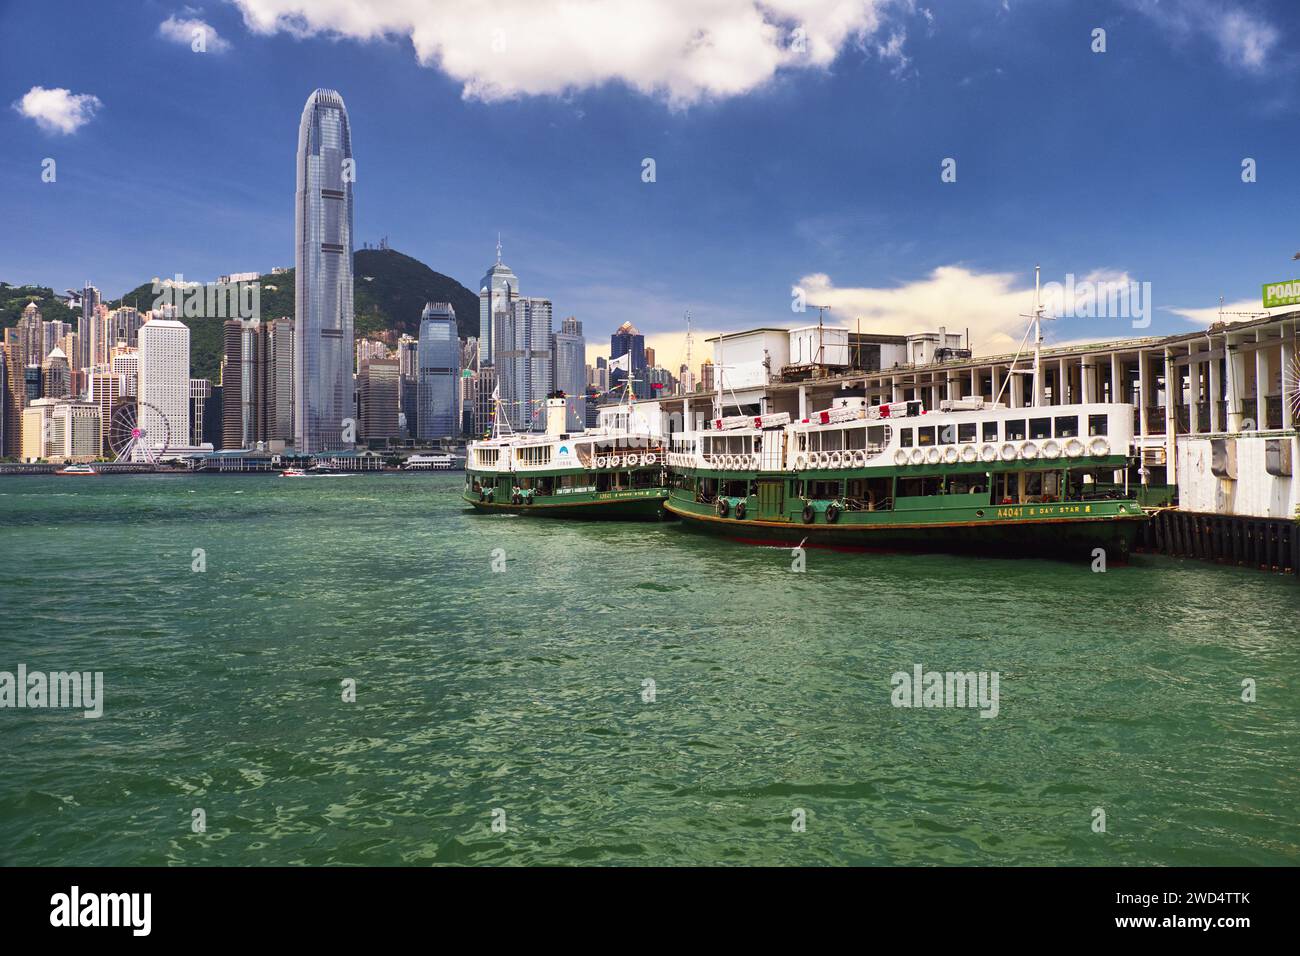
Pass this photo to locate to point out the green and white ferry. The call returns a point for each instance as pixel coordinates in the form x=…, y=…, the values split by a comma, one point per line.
x=615, y=471
x=974, y=476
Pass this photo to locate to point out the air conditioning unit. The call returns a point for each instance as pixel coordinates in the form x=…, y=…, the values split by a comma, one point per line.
x=1277, y=457
x=1223, y=458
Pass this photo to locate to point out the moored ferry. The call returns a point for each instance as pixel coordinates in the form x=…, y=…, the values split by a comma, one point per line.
x=974, y=476
x=612, y=472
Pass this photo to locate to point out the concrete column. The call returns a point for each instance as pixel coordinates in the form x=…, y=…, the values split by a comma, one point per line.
x=1194, y=395
x=1261, y=384
x=1144, y=397
x=1116, y=375
x=1235, y=367
x=1087, y=381
x=1173, y=393
x=803, y=401
x=1288, y=384
x=1216, y=389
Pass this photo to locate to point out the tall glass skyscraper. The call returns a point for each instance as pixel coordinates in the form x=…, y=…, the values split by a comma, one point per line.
x=496, y=296
x=322, y=356
x=522, y=341
x=628, y=341
x=571, y=371
x=438, y=400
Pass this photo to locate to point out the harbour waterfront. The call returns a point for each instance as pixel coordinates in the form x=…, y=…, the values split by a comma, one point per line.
x=523, y=690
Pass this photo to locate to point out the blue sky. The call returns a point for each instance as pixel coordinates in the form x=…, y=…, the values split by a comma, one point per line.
x=772, y=170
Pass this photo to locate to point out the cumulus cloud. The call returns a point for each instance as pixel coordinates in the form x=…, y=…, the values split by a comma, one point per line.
x=58, y=110
x=1240, y=311
x=682, y=50
x=991, y=304
x=1245, y=40
x=187, y=29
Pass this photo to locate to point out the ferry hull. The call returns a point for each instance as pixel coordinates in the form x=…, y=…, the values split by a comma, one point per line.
x=647, y=506
x=1064, y=538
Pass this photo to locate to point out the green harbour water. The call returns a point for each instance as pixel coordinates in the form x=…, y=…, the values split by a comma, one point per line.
x=523, y=691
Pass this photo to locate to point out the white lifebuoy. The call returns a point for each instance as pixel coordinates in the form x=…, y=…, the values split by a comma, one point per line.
x=989, y=453
x=933, y=455
x=1099, y=447
x=859, y=459
x=1008, y=452
x=602, y=461
x=1029, y=451
x=754, y=460
x=650, y=460
x=800, y=462
x=969, y=454
x=1051, y=449
x=900, y=457
x=835, y=459
x=950, y=455
x=1074, y=448
x=918, y=456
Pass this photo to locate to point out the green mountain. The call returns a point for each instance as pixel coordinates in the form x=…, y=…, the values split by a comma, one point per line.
x=389, y=292
x=14, y=298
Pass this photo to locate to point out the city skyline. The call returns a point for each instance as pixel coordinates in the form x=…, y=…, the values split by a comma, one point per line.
x=864, y=221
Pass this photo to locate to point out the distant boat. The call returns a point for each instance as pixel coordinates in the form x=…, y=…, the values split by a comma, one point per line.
x=442, y=462
x=77, y=470
x=293, y=473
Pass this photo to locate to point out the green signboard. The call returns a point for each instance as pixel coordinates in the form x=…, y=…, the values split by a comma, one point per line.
x=1281, y=293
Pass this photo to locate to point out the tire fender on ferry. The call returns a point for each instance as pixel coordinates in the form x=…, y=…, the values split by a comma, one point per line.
x=809, y=514
x=740, y=510
x=832, y=513
x=722, y=507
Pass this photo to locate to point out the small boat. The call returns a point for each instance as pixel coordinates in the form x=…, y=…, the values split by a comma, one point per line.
x=77, y=470
x=436, y=462
x=293, y=473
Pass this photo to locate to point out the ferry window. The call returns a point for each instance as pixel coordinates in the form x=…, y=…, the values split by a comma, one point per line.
x=803, y=441
x=1016, y=430
x=1067, y=426
x=833, y=440
x=855, y=438
x=925, y=436
x=966, y=432
x=990, y=431
x=1040, y=428
x=905, y=438
x=1096, y=425
x=875, y=436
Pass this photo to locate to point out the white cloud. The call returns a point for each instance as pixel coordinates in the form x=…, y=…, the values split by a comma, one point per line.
x=58, y=110
x=1245, y=40
x=1240, y=311
x=990, y=304
x=682, y=50
x=186, y=30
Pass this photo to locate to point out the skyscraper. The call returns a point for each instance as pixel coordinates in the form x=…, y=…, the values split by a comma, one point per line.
x=522, y=343
x=257, y=382
x=571, y=371
x=86, y=325
x=378, y=383
x=438, y=401
x=164, y=382
x=496, y=296
x=628, y=341
x=322, y=357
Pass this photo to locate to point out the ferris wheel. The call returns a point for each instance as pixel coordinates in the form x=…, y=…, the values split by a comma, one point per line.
x=138, y=431
x=1292, y=376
